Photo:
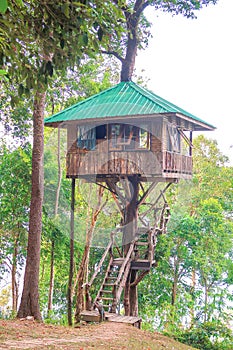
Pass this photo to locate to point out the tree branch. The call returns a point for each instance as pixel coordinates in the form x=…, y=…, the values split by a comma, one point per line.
x=114, y=54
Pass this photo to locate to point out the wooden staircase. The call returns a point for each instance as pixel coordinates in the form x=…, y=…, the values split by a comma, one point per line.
x=140, y=257
x=114, y=281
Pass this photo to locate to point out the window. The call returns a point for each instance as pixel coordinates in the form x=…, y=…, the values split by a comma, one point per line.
x=144, y=140
x=86, y=137
x=128, y=137
x=101, y=132
x=173, y=139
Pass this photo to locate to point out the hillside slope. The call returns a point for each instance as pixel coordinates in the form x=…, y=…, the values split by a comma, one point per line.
x=105, y=336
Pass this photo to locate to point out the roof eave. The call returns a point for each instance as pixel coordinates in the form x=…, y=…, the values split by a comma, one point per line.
x=199, y=124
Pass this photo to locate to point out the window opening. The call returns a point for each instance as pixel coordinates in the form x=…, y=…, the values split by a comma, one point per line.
x=173, y=139
x=144, y=140
x=101, y=132
x=86, y=137
x=128, y=137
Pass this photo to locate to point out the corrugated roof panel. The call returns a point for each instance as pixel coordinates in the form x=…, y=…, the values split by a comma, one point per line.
x=124, y=99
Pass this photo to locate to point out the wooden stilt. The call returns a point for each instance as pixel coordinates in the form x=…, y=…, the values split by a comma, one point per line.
x=71, y=271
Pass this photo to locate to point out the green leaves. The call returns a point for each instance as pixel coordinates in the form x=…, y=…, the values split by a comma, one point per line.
x=195, y=259
x=3, y=6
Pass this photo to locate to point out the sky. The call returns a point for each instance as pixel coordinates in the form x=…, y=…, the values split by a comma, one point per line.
x=190, y=63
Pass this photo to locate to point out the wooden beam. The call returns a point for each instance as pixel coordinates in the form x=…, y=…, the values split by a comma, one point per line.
x=146, y=194
x=155, y=203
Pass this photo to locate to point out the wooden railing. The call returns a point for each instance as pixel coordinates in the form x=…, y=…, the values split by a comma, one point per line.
x=147, y=163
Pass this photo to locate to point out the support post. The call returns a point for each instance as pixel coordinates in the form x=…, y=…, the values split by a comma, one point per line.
x=71, y=271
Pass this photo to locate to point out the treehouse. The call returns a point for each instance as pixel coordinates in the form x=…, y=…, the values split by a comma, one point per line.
x=128, y=140
x=128, y=130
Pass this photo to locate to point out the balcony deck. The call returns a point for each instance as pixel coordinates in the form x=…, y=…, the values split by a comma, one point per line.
x=163, y=165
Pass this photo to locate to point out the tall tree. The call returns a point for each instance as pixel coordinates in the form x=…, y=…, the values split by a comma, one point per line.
x=42, y=37
x=137, y=31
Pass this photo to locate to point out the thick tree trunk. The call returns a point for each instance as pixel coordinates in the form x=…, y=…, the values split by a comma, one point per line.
x=30, y=297
x=130, y=229
x=128, y=63
x=133, y=296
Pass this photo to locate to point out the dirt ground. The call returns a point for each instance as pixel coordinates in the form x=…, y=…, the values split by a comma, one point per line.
x=105, y=336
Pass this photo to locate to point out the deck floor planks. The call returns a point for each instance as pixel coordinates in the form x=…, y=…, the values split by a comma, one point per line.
x=93, y=316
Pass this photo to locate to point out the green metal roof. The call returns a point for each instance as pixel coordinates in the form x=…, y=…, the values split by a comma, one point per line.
x=122, y=100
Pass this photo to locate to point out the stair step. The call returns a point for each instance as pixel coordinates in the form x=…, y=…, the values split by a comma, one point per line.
x=109, y=284
x=142, y=243
x=103, y=298
x=106, y=291
x=117, y=262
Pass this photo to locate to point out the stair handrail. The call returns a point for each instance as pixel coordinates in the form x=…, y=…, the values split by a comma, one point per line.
x=126, y=260
x=109, y=246
x=101, y=287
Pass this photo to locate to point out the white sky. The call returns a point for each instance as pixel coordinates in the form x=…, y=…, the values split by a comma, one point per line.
x=190, y=63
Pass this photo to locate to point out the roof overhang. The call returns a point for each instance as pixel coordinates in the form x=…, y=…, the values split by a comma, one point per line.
x=197, y=125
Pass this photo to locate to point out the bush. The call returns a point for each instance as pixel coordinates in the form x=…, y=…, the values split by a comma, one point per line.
x=207, y=336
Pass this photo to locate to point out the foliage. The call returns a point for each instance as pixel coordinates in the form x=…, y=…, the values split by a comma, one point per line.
x=207, y=336
x=191, y=286
x=41, y=40
x=14, y=201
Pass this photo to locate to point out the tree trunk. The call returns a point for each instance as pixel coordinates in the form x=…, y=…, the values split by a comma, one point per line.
x=51, y=280
x=133, y=296
x=175, y=280
x=29, y=305
x=131, y=213
x=71, y=271
x=130, y=229
x=128, y=63
x=174, y=290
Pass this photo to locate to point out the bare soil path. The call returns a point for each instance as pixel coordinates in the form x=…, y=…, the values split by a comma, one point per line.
x=105, y=336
